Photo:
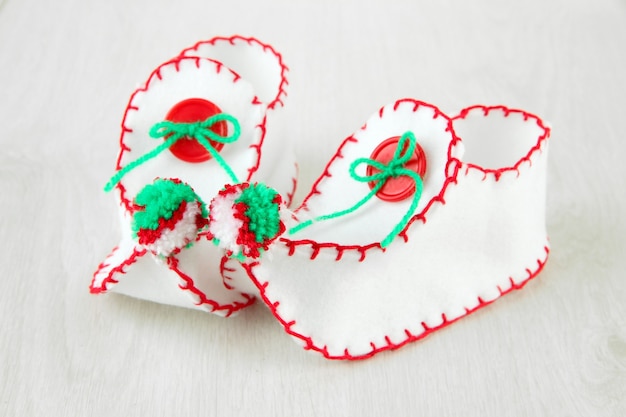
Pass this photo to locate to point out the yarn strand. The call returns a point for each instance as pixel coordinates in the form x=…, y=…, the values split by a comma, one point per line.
x=173, y=131
x=395, y=168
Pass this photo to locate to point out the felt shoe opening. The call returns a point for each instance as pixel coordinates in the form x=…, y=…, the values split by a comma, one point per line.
x=498, y=138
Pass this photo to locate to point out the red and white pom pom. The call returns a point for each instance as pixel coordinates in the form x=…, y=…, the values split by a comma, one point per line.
x=244, y=219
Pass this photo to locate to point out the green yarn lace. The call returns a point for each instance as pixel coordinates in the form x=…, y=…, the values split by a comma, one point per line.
x=395, y=168
x=200, y=131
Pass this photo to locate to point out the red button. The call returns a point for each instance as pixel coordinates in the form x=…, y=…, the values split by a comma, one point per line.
x=195, y=110
x=402, y=187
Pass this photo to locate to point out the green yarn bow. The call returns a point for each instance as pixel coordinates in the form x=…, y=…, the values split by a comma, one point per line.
x=200, y=131
x=393, y=169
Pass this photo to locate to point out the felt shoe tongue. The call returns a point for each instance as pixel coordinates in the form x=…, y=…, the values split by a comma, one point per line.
x=178, y=89
x=351, y=176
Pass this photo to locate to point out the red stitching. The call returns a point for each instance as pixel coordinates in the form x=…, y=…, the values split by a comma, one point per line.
x=410, y=337
x=294, y=186
x=214, y=305
x=100, y=267
x=250, y=40
x=156, y=73
x=497, y=173
x=223, y=270
x=316, y=247
x=128, y=205
x=258, y=147
x=109, y=280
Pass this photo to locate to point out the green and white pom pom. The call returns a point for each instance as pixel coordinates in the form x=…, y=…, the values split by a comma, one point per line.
x=168, y=216
x=244, y=219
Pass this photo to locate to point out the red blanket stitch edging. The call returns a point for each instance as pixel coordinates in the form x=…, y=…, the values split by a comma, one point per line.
x=202, y=300
x=109, y=281
x=309, y=344
x=225, y=271
x=251, y=41
x=187, y=285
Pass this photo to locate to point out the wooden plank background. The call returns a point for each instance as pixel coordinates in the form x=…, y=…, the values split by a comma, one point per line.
x=67, y=68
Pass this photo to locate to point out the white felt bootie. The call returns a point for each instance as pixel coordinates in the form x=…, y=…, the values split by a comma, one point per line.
x=418, y=220
x=202, y=120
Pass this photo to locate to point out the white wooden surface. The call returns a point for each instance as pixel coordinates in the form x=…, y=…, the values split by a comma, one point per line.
x=67, y=68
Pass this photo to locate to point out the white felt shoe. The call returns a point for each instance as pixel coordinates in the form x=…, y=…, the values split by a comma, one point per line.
x=240, y=77
x=344, y=287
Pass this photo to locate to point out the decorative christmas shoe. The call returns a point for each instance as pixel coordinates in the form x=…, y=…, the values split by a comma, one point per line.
x=199, y=122
x=418, y=220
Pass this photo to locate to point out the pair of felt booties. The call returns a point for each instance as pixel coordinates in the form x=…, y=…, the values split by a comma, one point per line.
x=418, y=219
